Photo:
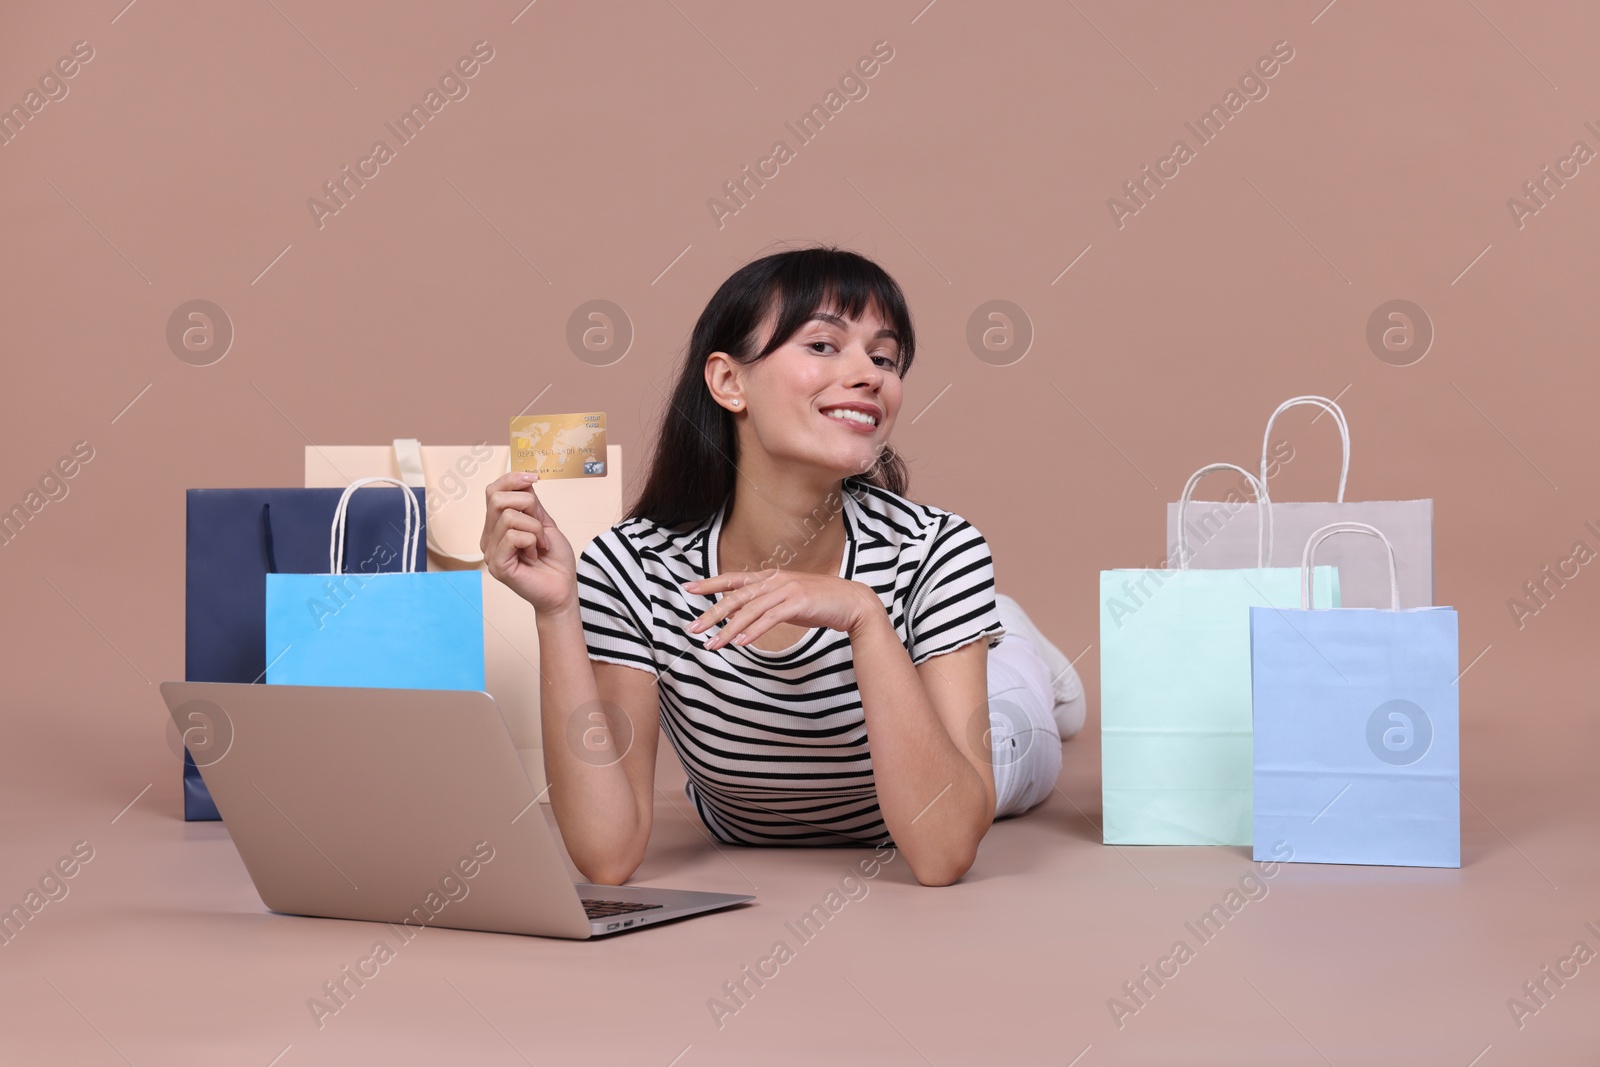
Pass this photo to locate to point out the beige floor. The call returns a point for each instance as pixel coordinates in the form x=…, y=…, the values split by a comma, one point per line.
x=163, y=954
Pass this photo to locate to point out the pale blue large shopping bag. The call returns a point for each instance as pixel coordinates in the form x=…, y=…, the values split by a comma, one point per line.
x=1175, y=692
x=404, y=630
x=1357, y=728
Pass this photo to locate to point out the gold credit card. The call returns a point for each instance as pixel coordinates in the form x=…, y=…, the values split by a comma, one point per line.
x=560, y=446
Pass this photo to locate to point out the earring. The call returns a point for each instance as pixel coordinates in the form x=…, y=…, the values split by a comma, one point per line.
x=735, y=402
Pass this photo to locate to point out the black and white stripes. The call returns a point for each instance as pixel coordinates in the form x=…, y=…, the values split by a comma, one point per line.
x=774, y=743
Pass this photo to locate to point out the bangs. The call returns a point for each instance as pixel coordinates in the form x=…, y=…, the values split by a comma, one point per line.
x=846, y=284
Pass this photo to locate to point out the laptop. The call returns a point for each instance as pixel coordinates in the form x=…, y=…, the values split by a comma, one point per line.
x=402, y=806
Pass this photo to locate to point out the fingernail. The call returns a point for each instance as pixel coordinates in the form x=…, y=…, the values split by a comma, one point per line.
x=741, y=639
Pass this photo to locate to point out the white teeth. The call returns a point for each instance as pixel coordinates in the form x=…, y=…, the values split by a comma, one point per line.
x=852, y=415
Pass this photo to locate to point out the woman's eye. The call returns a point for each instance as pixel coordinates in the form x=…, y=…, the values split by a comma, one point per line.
x=818, y=346
x=888, y=361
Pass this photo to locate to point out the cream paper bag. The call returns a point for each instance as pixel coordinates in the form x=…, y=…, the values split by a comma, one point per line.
x=455, y=478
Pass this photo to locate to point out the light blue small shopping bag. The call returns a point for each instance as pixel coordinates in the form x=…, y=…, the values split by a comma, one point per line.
x=1175, y=692
x=405, y=630
x=1357, y=729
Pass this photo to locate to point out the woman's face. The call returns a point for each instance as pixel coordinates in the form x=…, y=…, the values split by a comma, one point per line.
x=828, y=396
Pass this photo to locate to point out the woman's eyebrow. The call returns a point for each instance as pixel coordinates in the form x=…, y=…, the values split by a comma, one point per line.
x=835, y=320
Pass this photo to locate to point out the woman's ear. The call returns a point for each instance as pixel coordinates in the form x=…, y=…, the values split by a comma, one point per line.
x=722, y=379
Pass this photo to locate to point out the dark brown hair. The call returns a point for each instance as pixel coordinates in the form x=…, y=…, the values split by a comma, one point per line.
x=696, y=454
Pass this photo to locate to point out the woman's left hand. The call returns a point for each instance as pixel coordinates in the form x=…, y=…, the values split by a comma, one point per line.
x=756, y=601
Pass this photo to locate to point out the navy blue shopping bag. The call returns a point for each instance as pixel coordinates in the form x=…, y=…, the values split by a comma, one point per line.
x=236, y=537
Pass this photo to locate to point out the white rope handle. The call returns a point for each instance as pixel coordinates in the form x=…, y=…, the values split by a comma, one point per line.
x=1263, y=520
x=408, y=458
x=413, y=525
x=1324, y=532
x=1338, y=416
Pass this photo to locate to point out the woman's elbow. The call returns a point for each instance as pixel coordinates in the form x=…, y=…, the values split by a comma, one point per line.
x=945, y=871
x=610, y=870
x=610, y=874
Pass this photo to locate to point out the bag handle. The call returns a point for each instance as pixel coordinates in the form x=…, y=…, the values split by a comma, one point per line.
x=1324, y=532
x=1338, y=416
x=411, y=535
x=1263, y=519
x=408, y=458
x=268, y=546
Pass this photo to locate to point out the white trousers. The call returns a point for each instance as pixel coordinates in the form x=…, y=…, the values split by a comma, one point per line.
x=1025, y=739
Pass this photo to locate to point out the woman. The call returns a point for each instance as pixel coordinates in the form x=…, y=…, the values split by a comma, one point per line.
x=774, y=602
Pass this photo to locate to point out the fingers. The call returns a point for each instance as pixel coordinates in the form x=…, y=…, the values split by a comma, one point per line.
x=514, y=490
x=540, y=513
x=511, y=481
x=747, y=589
x=521, y=520
x=749, y=621
x=752, y=619
x=740, y=586
x=530, y=538
x=508, y=491
x=521, y=543
x=718, y=583
x=524, y=501
x=501, y=554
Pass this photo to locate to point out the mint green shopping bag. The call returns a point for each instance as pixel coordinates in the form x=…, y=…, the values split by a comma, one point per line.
x=1175, y=712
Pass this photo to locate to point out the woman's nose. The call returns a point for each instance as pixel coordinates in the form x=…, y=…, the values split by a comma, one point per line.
x=864, y=369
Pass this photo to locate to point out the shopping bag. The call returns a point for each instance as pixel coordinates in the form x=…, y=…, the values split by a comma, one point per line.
x=407, y=630
x=1357, y=728
x=455, y=478
x=1175, y=692
x=234, y=539
x=1219, y=533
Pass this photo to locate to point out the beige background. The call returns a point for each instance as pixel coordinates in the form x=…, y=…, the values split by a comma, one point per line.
x=977, y=168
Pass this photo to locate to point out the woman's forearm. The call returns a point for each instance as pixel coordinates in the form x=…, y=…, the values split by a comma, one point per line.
x=932, y=798
x=594, y=804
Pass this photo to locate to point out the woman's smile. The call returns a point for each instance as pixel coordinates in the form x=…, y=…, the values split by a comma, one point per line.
x=862, y=418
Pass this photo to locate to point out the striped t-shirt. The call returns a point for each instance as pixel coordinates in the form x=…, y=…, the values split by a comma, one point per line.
x=774, y=744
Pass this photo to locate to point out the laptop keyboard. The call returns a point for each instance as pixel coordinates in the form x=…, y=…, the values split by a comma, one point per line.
x=603, y=909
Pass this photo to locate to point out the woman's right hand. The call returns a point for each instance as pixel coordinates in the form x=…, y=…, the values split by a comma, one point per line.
x=522, y=547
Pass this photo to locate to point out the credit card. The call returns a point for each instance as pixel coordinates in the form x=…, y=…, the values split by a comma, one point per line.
x=560, y=446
